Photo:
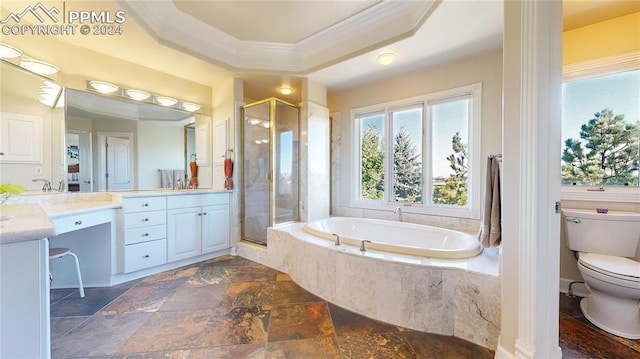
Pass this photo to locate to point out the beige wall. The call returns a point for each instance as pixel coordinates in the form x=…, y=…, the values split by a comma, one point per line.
x=485, y=68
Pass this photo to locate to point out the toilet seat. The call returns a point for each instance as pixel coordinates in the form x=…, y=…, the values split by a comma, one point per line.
x=612, y=266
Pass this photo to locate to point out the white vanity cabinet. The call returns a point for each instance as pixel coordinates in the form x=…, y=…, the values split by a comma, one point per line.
x=197, y=224
x=143, y=232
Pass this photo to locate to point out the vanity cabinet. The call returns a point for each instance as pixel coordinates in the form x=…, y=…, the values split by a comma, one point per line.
x=197, y=224
x=143, y=232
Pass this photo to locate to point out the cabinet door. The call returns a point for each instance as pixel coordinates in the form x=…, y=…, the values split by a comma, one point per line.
x=184, y=230
x=215, y=228
x=21, y=138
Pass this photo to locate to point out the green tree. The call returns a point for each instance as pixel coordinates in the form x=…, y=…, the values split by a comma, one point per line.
x=407, y=169
x=609, y=154
x=372, y=164
x=454, y=188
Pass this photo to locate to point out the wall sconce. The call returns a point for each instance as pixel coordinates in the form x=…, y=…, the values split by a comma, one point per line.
x=8, y=51
x=142, y=96
x=39, y=67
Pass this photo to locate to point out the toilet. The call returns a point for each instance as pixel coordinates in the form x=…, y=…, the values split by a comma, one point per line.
x=605, y=242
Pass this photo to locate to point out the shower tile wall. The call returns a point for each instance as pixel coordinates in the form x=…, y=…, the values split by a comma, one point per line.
x=315, y=165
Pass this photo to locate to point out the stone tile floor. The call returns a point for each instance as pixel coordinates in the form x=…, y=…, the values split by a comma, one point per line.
x=231, y=307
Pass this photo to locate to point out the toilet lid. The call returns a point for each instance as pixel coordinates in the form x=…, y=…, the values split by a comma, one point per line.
x=618, y=267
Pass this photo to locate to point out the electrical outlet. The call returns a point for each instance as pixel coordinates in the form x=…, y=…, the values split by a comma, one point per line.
x=37, y=171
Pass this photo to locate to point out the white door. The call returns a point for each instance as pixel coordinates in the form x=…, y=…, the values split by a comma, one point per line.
x=85, y=176
x=117, y=163
x=215, y=228
x=184, y=230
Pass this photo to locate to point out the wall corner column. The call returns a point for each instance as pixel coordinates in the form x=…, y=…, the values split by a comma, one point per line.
x=315, y=143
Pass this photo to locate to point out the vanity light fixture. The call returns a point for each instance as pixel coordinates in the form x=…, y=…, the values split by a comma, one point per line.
x=386, y=59
x=191, y=107
x=137, y=94
x=8, y=51
x=103, y=87
x=39, y=67
x=166, y=101
x=285, y=90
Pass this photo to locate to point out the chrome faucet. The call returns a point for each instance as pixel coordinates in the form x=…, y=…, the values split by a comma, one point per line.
x=47, y=185
x=362, y=247
x=337, y=238
x=398, y=211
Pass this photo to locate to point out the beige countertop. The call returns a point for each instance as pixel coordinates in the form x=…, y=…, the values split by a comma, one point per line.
x=25, y=222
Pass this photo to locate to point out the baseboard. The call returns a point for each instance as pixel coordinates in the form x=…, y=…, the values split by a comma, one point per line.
x=502, y=353
x=579, y=289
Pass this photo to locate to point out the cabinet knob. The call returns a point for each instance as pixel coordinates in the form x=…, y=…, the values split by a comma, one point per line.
x=145, y=234
x=78, y=223
x=145, y=205
x=199, y=214
x=145, y=256
x=145, y=220
x=204, y=214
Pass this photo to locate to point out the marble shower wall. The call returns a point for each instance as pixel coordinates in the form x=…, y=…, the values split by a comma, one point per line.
x=449, y=300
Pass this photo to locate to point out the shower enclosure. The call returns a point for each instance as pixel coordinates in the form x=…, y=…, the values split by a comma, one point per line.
x=270, y=146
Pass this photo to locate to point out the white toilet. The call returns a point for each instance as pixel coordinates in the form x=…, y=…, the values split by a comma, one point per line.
x=604, y=243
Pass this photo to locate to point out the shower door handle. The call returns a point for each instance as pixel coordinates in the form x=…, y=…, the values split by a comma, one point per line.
x=268, y=177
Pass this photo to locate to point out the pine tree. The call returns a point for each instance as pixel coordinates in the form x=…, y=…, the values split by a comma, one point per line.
x=454, y=189
x=372, y=164
x=609, y=155
x=407, y=169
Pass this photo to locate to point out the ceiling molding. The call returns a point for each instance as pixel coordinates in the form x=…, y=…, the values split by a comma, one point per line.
x=374, y=27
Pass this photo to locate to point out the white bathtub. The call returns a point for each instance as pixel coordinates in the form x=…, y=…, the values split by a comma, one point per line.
x=397, y=237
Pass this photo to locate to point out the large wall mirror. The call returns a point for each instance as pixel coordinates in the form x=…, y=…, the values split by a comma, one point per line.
x=31, y=142
x=117, y=144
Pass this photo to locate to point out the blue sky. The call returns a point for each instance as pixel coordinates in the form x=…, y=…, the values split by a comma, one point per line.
x=582, y=98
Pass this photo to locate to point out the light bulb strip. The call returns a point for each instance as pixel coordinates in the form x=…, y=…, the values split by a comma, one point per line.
x=106, y=88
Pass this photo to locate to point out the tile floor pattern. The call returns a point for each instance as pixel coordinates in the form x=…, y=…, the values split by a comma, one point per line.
x=233, y=308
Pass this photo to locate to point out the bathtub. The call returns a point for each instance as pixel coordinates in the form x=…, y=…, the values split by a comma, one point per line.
x=397, y=237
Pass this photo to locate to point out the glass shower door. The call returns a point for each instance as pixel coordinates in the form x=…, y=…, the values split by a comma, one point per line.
x=257, y=172
x=286, y=163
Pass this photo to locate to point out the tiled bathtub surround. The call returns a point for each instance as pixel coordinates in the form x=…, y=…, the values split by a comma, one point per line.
x=450, y=297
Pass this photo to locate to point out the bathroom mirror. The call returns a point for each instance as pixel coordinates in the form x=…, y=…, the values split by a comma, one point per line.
x=119, y=144
x=31, y=143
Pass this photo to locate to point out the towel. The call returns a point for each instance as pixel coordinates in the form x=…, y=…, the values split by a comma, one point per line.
x=228, y=173
x=490, y=234
x=166, y=178
x=193, y=183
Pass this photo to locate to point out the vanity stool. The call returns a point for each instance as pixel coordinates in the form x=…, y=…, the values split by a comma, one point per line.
x=55, y=253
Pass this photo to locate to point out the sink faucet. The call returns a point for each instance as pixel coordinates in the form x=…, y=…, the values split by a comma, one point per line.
x=47, y=185
x=398, y=211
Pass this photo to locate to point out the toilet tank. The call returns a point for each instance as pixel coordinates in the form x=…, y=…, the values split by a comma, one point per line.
x=615, y=233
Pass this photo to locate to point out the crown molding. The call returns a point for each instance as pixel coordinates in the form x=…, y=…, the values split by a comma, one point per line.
x=372, y=28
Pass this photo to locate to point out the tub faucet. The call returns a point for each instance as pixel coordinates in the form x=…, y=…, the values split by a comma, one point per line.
x=398, y=211
x=47, y=185
x=337, y=238
x=362, y=247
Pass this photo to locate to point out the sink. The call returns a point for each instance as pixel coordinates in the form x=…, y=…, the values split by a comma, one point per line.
x=5, y=218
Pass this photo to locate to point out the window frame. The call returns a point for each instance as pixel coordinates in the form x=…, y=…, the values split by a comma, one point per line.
x=593, y=68
x=474, y=148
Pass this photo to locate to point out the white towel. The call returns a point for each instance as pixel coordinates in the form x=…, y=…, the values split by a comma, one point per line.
x=490, y=234
x=166, y=178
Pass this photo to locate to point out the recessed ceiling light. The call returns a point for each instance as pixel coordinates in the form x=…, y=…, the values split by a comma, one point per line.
x=166, y=101
x=285, y=90
x=137, y=94
x=103, y=87
x=39, y=67
x=386, y=59
x=8, y=51
x=191, y=107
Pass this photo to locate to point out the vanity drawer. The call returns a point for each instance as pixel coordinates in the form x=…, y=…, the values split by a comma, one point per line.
x=197, y=200
x=144, y=219
x=140, y=204
x=145, y=255
x=144, y=234
x=80, y=221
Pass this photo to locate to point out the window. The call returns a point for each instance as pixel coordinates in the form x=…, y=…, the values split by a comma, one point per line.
x=601, y=129
x=422, y=153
